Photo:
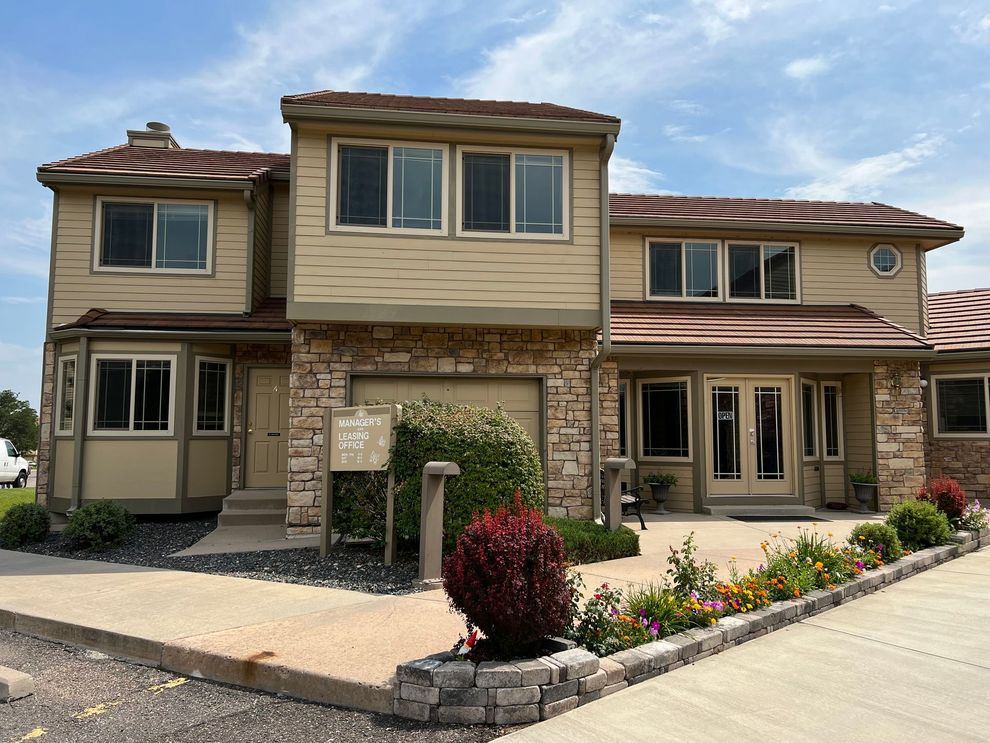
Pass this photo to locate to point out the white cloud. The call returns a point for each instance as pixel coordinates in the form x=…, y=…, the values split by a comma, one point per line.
x=865, y=178
x=678, y=133
x=805, y=68
x=20, y=370
x=23, y=300
x=626, y=175
x=973, y=27
x=29, y=241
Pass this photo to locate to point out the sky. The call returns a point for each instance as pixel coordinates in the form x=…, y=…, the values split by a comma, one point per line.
x=812, y=99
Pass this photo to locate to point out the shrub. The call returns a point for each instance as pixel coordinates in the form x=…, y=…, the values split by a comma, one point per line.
x=947, y=495
x=25, y=523
x=919, y=524
x=494, y=452
x=880, y=538
x=687, y=575
x=98, y=526
x=359, y=503
x=661, y=478
x=506, y=576
x=587, y=541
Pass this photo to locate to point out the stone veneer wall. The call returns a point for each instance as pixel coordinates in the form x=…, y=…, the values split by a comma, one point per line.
x=901, y=422
x=966, y=460
x=245, y=355
x=45, y=431
x=324, y=354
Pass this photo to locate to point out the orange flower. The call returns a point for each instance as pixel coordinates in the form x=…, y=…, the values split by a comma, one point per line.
x=797, y=592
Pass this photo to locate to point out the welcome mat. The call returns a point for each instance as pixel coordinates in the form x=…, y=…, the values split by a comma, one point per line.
x=779, y=518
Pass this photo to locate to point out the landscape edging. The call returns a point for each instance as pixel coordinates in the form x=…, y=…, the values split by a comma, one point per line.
x=446, y=690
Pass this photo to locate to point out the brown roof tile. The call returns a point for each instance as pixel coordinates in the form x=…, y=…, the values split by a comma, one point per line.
x=758, y=325
x=776, y=211
x=427, y=104
x=174, y=163
x=960, y=320
x=268, y=318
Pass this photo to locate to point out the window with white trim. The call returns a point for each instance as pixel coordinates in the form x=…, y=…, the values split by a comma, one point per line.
x=508, y=192
x=154, y=235
x=683, y=269
x=212, y=395
x=132, y=394
x=962, y=405
x=66, y=394
x=762, y=271
x=388, y=186
x=832, y=420
x=665, y=419
x=885, y=259
x=809, y=419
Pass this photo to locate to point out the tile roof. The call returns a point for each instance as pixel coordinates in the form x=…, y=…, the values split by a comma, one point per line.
x=758, y=325
x=427, y=104
x=782, y=211
x=959, y=321
x=268, y=318
x=174, y=163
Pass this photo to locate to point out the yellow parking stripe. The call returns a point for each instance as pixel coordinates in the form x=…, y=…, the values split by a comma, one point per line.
x=99, y=709
x=159, y=688
x=33, y=735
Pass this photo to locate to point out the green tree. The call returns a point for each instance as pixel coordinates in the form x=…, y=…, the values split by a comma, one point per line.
x=18, y=421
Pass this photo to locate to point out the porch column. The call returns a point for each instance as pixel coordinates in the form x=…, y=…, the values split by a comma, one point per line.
x=900, y=430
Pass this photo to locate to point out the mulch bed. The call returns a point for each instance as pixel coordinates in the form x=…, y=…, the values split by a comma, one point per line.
x=354, y=567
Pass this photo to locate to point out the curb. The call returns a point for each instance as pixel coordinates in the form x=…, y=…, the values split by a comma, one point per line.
x=441, y=689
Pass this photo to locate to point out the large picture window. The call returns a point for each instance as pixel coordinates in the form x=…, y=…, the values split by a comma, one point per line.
x=132, y=395
x=665, y=419
x=154, y=235
x=212, y=395
x=383, y=186
x=962, y=404
x=66, y=394
x=684, y=269
x=506, y=193
x=762, y=271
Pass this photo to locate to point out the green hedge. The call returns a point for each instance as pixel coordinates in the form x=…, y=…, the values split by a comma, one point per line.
x=587, y=541
x=495, y=455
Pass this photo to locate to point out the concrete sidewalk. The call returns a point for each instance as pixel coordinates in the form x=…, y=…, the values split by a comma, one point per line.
x=320, y=644
x=908, y=663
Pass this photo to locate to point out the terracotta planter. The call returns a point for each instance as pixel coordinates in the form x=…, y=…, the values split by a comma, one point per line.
x=660, y=491
x=865, y=493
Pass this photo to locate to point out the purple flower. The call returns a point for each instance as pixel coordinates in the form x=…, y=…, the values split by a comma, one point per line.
x=614, y=611
x=860, y=565
x=880, y=549
x=642, y=612
x=694, y=595
x=655, y=629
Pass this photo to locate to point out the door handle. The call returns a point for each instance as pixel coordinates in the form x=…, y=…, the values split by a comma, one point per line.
x=752, y=436
x=250, y=427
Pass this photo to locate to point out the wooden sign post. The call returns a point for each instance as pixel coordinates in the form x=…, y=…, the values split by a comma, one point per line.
x=358, y=439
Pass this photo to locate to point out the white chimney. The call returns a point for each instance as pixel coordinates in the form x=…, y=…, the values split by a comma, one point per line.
x=154, y=134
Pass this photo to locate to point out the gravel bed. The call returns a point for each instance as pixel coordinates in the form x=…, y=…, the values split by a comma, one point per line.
x=355, y=567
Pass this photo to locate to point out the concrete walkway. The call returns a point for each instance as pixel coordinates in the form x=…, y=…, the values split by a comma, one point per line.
x=908, y=663
x=321, y=644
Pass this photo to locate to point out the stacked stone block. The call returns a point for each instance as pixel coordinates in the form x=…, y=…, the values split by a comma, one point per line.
x=900, y=430
x=46, y=432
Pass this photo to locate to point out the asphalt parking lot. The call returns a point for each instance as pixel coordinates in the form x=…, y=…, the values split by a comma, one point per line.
x=87, y=697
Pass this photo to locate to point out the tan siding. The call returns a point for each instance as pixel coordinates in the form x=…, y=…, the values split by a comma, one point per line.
x=77, y=289
x=129, y=469
x=402, y=269
x=280, y=239
x=262, y=245
x=834, y=270
x=834, y=474
x=923, y=284
x=856, y=407
x=681, y=496
x=812, y=485
x=65, y=454
x=207, y=468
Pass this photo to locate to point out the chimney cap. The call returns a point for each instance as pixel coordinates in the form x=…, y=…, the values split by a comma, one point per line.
x=157, y=126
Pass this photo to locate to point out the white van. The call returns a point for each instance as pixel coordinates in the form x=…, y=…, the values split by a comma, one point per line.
x=14, y=469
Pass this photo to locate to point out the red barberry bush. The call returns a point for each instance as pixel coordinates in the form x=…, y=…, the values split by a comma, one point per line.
x=947, y=495
x=506, y=577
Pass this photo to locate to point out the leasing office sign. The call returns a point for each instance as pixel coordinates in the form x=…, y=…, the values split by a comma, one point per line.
x=360, y=437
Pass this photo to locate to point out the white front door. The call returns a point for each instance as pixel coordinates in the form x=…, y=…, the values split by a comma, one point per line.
x=749, y=436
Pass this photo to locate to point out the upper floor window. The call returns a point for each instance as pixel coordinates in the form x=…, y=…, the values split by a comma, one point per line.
x=885, y=260
x=684, y=269
x=132, y=395
x=143, y=235
x=388, y=186
x=762, y=271
x=962, y=405
x=512, y=193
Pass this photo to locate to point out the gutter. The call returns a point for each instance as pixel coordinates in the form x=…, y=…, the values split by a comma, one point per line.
x=296, y=111
x=596, y=364
x=83, y=179
x=261, y=336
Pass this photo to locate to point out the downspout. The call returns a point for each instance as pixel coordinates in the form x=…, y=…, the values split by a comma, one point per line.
x=606, y=347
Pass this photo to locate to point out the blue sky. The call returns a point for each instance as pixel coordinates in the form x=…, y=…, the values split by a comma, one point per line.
x=780, y=98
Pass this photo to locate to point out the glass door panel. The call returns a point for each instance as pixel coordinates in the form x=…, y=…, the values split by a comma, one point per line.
x=769, y=434
x=726, y=457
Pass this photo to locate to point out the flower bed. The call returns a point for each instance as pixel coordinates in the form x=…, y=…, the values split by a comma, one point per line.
x=444, y=689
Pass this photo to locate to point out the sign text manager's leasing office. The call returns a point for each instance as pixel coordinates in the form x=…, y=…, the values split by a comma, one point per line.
x=208, y=307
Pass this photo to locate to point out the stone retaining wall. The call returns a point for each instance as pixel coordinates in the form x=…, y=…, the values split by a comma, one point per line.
x=442, y=689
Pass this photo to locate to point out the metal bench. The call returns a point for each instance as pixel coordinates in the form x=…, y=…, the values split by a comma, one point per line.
x=631, y=501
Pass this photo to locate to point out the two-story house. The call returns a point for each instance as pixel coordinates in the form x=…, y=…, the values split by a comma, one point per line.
x=207, y=307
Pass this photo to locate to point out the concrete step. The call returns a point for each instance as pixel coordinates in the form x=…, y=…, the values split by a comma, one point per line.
x=251, y=517
x=248, y=500
x=755, y=510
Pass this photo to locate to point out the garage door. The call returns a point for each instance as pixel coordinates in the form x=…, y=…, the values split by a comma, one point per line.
x=519, y=397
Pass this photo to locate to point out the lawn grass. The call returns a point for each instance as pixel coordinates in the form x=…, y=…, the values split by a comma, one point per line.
x=10, y=497
x=586, y=541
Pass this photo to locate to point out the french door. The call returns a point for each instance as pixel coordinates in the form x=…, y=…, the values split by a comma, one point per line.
x=749, y=437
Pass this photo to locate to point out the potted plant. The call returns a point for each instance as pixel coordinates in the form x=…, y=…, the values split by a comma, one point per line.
x=864, y=488
x=660, y=484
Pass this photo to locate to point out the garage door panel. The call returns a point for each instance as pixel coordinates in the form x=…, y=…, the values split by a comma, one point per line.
x=519, y=397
